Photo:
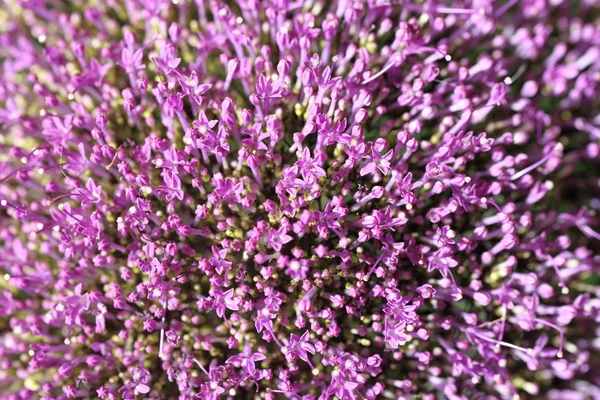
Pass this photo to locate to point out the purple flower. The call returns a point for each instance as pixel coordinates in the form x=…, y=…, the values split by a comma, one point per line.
x=395, y=334
x=218, y=261
x=210, y=391
x=342, y=388
x=224, y=301
x=376, y=161
x=90, y=195
x=299, y=347
x=277, y=238
x=247, y=361
x=173, y=337
x=65, y=369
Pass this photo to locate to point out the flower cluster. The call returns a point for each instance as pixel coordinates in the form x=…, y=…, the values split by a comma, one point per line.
x=309, y=199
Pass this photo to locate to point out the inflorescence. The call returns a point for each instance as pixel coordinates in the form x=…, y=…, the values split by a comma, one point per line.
x=376, y=199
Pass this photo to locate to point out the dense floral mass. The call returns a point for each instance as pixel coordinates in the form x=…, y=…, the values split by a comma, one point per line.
x=376, y=199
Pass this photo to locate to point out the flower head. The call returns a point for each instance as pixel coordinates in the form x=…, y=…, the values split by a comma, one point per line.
x=304, y=199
